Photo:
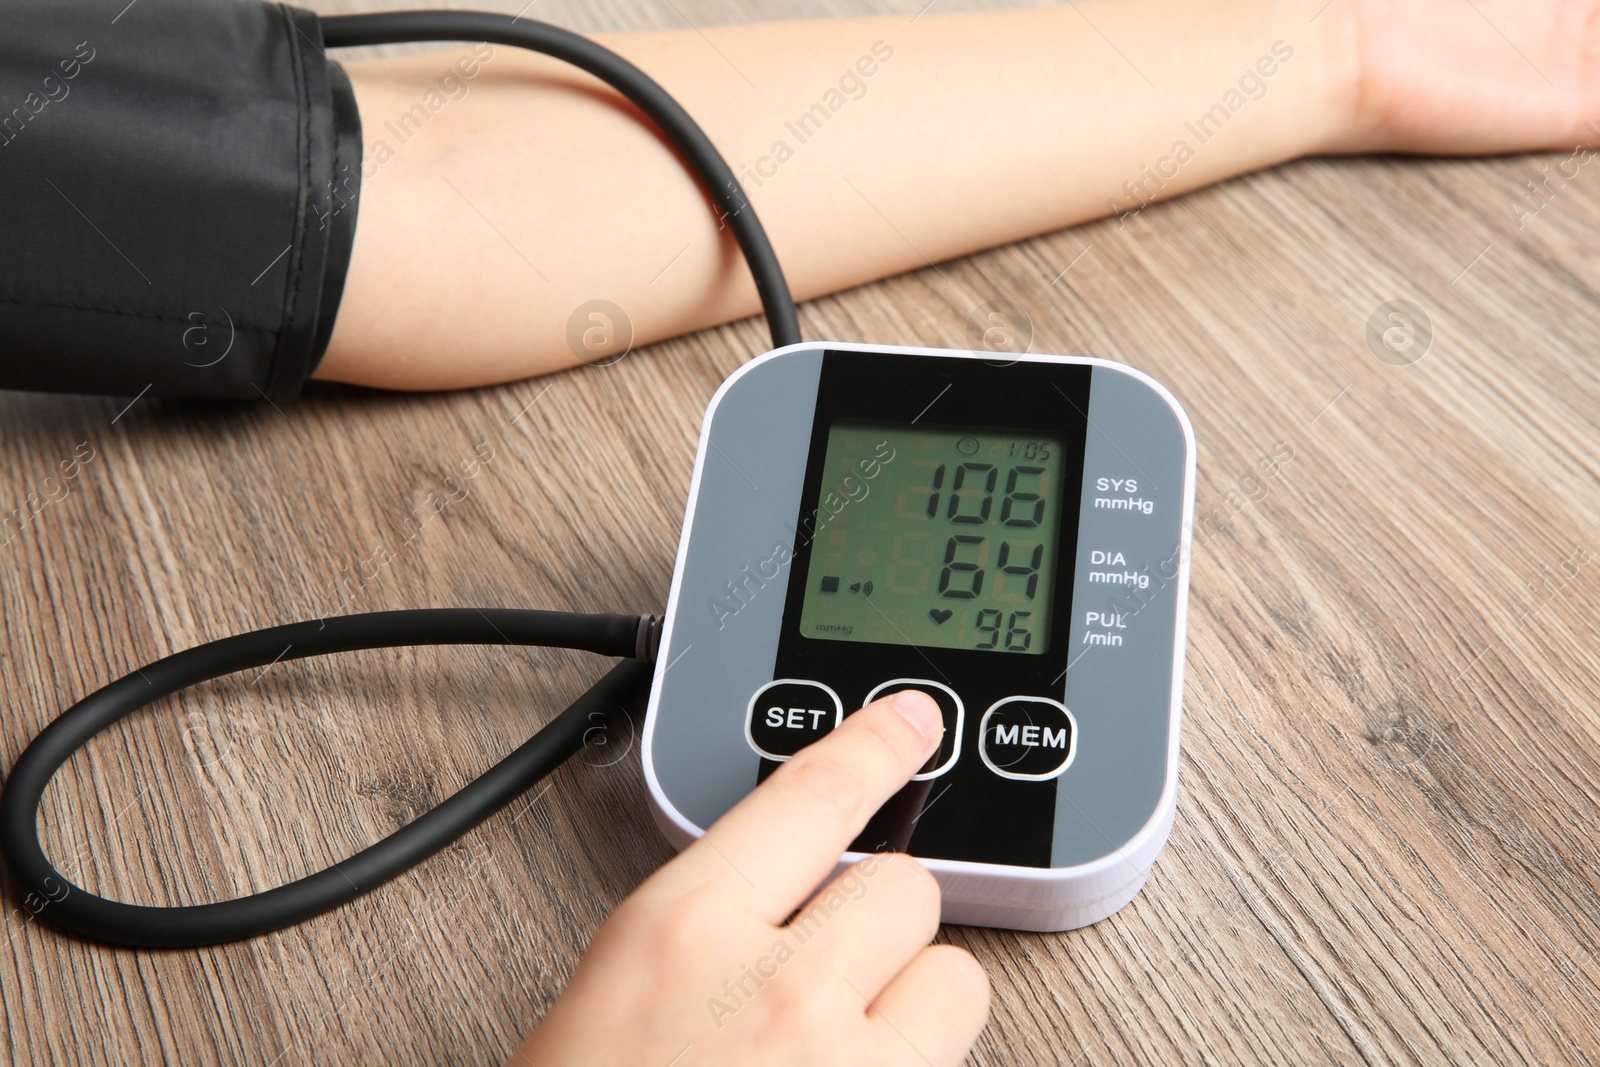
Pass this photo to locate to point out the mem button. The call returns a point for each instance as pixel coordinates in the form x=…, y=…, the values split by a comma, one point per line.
x=788, y=714
x=955, y=717
x=1030, y=739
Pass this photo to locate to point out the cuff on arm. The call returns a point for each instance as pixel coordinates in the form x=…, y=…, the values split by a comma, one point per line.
x=182, y=180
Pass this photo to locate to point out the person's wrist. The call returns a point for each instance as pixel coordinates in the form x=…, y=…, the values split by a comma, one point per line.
x=1334, y=32
x=1311, y=106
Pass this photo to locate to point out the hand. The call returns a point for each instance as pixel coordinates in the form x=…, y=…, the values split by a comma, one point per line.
x=701, y=965
x=1466, y=77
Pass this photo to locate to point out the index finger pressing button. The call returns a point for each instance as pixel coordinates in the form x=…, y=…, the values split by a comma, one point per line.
x=787, y=714
x=955, y=717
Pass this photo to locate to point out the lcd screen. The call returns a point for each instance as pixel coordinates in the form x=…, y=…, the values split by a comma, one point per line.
x=951, y=542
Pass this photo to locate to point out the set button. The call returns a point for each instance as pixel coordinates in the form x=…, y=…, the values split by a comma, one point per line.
x=787, y=714
x=1029, y=739
x=955, y=719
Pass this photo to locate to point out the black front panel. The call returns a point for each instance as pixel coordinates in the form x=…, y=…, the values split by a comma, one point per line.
x=944, y=577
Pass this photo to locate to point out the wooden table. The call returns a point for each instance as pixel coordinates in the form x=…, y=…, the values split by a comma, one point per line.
x=1385, y=845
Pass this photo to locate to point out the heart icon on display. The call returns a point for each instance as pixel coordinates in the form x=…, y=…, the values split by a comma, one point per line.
x=940, y=615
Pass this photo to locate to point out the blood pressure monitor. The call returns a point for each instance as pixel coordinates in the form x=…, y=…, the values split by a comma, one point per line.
x=1010, y=537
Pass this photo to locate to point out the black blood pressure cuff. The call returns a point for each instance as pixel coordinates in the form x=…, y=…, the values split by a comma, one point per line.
x=178, y=181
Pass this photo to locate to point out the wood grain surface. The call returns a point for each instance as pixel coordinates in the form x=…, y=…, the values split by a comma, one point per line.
x=1385, y=849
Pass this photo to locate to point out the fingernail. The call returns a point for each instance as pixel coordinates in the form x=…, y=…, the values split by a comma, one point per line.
x=919, y=709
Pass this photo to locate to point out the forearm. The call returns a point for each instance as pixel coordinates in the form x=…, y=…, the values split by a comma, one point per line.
x=950, y=134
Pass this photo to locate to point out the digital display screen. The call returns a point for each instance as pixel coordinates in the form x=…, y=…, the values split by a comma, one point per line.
x=935, y=536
